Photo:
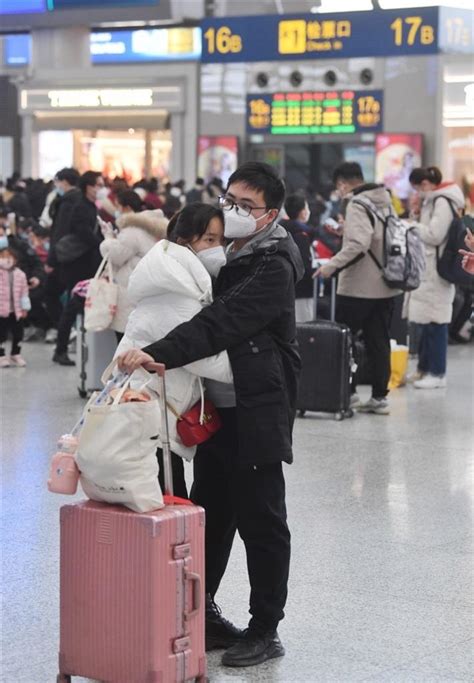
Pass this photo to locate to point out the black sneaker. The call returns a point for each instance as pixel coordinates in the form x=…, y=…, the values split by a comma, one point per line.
x=63, y=359
x=254, y=649
x=220, y=633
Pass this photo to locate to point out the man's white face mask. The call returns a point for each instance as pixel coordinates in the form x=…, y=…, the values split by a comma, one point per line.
x=237, y=226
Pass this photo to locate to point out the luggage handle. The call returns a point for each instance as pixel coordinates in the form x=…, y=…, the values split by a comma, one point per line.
x=316, y=284
x=195, y=580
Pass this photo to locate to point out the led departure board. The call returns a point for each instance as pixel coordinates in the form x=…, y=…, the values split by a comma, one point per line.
x=316, y=112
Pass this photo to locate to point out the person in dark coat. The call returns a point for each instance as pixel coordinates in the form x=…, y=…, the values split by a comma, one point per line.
x=68, y=195
x=82, y=224
x=297, y=209
x=19, y=204
x=238, y=474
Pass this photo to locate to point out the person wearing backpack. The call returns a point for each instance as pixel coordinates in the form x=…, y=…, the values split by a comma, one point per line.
x=431, y=305
x=365, y=302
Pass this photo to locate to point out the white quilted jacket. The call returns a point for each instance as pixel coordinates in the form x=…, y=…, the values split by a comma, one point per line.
x=168, y=287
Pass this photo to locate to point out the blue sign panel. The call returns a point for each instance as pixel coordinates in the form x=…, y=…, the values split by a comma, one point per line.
x=17, y=49
x=22, y=6
x=39, y=6
x=456, y=30
x=309, y=36
x=331, y=112
x=146, y=45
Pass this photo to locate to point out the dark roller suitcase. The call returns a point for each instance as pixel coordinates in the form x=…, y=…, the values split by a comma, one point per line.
x=325, y=349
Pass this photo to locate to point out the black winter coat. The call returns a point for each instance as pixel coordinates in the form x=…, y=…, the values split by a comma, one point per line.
x=83, y=223
x=60, y=212
x=305, y=287
x=253, y=318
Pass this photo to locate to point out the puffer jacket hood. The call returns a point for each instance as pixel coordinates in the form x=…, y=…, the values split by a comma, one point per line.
x=378, y=194
x=449, y=190
x=153, y=222
x=274, y=240
x=169, y=268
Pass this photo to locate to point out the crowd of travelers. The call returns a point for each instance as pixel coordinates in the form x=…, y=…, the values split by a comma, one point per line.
x=211, y=282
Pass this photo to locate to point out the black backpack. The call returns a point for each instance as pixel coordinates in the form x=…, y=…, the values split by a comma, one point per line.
x=449, y=263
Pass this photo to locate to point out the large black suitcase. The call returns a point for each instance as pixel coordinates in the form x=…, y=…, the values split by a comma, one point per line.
x=326, y=355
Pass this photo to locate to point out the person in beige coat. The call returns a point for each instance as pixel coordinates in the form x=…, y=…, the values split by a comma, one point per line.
x=138, y=232
x=364, y=302
x=431, y=305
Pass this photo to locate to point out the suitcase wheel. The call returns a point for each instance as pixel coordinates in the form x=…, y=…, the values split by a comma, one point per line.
x=339, y=417
x=82, y=393
x=301, y=413
x=63, y=678
x=349, y=412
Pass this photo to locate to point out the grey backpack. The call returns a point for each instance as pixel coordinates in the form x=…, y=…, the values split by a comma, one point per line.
x=403, y=251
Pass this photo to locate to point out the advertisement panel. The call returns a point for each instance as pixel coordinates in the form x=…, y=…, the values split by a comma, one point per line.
x=217, y=157
x=396, y=155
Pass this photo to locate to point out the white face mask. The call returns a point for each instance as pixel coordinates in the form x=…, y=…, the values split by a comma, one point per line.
x=237, y=226
x=212, y=259
x=7, y=263
x=102, y=193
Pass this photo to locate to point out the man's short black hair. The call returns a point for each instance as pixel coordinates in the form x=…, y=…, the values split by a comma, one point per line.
x=349, y=171
x=294, y=205
x=263, y=178
x=70, y=175
x=88, y=179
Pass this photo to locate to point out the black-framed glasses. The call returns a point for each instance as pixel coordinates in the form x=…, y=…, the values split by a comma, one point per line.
x=227, y=204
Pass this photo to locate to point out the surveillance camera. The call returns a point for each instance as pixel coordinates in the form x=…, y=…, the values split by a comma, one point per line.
x=366, y=76
x=296, y=78
x=330, y=78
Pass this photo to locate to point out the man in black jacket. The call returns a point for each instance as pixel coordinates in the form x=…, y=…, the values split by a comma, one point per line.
x=82, y=224
x=238, y=474
x=297, y=209
x=68, y=195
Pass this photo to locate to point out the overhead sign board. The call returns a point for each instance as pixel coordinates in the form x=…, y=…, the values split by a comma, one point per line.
x=146, y=45
x=315, y=112
x=377, y=33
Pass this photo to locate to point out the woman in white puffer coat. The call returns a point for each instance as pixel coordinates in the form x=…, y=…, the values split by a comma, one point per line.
x=170, y=285
x=139, y=231
x=431, y=305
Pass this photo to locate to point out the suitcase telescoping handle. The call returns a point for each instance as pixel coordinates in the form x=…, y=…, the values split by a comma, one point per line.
x=316, y=287
x=160, y=370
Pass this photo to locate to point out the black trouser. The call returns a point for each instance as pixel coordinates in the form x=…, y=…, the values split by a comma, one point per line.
x=251, y=500
x=73, y=308
x=373, y=317
x=54, y=289
x=462, y=309
x=177, y=468
x=39, y=316
x=11, y=324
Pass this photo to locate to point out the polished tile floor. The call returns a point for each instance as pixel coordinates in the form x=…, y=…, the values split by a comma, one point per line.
x=381, y=515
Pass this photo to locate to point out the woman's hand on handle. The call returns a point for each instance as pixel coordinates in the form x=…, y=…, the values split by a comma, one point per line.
x=133, y=360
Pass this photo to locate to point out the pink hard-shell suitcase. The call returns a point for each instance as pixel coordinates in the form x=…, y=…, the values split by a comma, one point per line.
x=132, y=591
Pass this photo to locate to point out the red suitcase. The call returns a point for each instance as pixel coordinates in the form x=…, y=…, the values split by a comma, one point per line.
x=132, y=591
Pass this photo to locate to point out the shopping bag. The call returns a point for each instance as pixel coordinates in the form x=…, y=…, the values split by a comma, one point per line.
x=101, y=299
x=116, y=453
x=399, y=366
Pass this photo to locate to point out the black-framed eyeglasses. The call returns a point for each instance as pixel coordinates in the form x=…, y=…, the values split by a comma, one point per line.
x=227, y=204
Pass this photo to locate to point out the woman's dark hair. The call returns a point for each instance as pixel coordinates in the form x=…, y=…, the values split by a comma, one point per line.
x=192, y=221
x=263, y=178
x=432, y=174
x=88, y=179
x=131, y=199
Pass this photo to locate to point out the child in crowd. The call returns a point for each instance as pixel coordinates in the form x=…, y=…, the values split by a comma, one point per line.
x=14, y=306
